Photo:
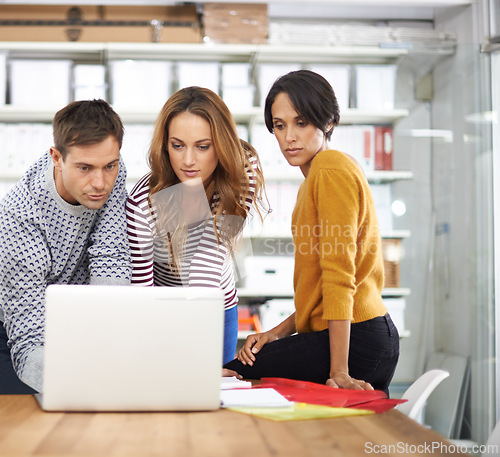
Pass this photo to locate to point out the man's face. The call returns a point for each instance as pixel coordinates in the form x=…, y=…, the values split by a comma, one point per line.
x=88, y=173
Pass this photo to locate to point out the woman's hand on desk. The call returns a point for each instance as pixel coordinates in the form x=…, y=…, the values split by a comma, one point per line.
x=253, y=345
x=343, y=381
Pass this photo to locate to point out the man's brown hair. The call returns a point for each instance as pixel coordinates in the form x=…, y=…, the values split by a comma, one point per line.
x=84, y=123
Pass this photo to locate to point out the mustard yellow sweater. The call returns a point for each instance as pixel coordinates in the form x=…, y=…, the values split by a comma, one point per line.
x=338, y=258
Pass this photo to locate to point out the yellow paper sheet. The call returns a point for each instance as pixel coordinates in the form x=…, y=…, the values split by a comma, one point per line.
x=301, y=411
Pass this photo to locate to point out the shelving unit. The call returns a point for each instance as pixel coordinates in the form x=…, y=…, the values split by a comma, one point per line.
x=10, y=113
x=244, y=292
x=203, y=51
x=104, y=53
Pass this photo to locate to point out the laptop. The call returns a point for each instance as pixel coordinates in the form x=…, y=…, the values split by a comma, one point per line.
x=128, y=348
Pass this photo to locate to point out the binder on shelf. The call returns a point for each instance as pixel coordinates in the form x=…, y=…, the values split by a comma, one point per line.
x=358, y=141
x=383, y=148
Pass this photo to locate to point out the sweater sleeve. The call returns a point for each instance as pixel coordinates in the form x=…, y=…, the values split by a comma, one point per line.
x=24, y=265
x=337, y=199
x=109, y=252
x=140, y=236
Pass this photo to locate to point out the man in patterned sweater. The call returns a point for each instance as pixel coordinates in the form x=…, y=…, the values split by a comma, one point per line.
x=62, y=223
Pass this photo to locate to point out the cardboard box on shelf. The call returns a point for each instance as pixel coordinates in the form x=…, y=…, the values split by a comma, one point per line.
x=87, y=23
x=235, y=22
x=50, y=12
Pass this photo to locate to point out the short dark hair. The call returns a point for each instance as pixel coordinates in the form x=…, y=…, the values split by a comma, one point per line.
x=312, y=97
x=85, y=122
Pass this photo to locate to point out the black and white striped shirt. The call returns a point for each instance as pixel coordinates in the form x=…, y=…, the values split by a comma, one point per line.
x=204, y=261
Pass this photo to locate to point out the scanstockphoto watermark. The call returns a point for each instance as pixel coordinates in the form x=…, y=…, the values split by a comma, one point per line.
x=325, y=239
x=434, y=447
x=324, y=249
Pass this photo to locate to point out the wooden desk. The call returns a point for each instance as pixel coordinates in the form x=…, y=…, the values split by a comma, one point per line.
x=25, y=430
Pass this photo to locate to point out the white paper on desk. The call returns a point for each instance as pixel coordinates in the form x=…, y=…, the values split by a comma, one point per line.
x=232, y=382
x=257, y=398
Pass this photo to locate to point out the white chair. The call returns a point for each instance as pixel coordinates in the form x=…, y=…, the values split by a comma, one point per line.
x=418, y=393
x=493, y=443
x=445, y=413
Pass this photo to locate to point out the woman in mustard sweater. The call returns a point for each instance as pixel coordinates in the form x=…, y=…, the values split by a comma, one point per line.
x=340, y=333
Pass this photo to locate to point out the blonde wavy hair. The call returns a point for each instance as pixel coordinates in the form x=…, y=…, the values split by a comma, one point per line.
x=229, y=188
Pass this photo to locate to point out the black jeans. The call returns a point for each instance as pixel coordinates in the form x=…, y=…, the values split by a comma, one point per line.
x=9, y=382
x=373, y=355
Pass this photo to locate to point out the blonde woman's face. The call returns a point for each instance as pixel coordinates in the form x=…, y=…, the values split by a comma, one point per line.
x=191, y=149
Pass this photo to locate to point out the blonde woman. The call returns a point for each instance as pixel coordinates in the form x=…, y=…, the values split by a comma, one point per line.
x=185, y=216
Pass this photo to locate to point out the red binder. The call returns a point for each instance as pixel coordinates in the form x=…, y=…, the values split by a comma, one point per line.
x=319, y=394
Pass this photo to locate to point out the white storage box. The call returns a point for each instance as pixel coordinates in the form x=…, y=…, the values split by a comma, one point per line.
x=203, y=74
x=375, y=87
x=269, y=273
x=339, y=77
x=89, y=82
x=3, y=77
x=236, y=74
x=238, y=98
x=140, y=84
x=44, y=83
x=269, y=73
x=382, y=197
x=136, y=143
x=396, y=308
x=273, y=312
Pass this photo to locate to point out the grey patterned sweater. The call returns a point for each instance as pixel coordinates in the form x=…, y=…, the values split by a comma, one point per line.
x=45, y=240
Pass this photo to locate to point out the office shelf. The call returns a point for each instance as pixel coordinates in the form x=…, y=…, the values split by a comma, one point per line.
x=245, y=292
x=13, y=113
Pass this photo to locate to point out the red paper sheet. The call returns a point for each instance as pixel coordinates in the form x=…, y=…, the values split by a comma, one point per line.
x=319, y=394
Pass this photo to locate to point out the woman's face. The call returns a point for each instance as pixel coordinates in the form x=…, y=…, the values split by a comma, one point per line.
x=299, y=139
x=190, y=148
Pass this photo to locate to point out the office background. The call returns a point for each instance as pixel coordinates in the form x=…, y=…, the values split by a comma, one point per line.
x=419, y=93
